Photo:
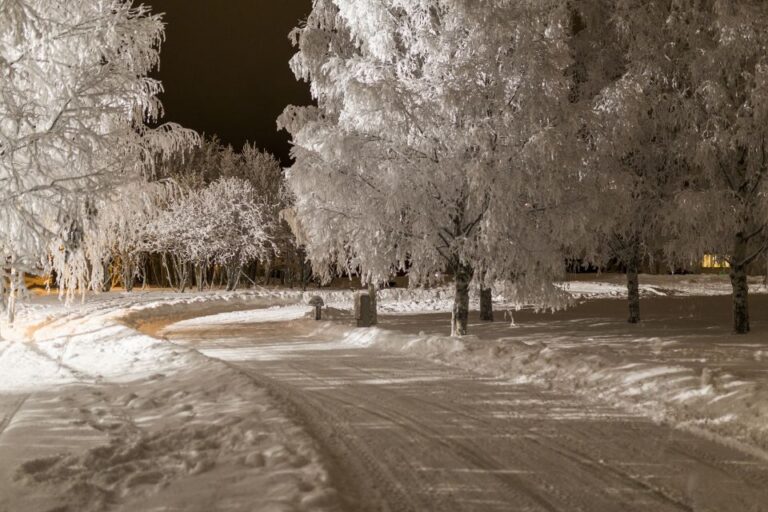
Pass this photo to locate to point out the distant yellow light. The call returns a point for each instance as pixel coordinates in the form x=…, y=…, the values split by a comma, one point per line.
x=712, y=261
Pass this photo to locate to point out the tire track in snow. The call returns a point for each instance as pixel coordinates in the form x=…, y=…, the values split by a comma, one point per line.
x=470, y=452
x=428, y=434
x=589, y=464
x=14, y=409
x=420, y=429
x=579, y=458
x=349, y=459
x=420, y=433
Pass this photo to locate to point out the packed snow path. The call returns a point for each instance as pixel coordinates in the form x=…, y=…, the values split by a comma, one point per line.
x=405, y=434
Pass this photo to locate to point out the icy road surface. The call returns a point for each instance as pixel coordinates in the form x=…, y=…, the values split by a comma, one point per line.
x=404, y=434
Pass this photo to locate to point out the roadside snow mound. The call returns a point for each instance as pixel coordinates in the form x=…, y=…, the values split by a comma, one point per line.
x=270, y=314
x=711, y=401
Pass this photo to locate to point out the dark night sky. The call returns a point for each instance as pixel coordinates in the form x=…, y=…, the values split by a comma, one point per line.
x=225, y=69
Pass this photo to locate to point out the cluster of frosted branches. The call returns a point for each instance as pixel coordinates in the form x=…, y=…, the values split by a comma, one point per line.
x=224, y=224
x=114, y=238
x=212, y=161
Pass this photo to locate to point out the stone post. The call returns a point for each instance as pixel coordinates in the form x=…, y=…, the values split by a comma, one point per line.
x=317, y=303
x=363, y=310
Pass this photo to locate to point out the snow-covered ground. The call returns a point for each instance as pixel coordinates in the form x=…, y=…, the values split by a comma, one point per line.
x=98, y=416
x=680, y=365
x=615, y=285
x=439, y=438
x=95, y=414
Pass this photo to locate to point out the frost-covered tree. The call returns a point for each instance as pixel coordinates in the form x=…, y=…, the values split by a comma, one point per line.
x=240, y=224
x=195, y=166
x=726, y=206
x=223, y=224
x=200, y=166
x=434, y=123
x=176, y=234
x=633, y=131
x=75, y=103
x=117, y=233
x=680, y=136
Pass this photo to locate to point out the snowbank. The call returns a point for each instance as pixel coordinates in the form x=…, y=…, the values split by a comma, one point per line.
x=615, y=285
x=270, y=314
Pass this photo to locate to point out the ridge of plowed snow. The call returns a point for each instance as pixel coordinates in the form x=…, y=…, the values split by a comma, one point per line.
x=707, y=400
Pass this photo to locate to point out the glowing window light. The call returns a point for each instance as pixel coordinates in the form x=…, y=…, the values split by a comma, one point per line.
x=713, y=261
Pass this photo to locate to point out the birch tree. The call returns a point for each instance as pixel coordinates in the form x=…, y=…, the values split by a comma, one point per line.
x=433, y=122
x=241, y=225
x=76, y=103
x=224, y=224
x=635, y=134
x=119, y=229
x=726, y=207
x=681, y=136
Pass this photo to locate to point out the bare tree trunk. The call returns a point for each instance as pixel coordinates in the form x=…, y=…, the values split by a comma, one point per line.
x=633, y=286
x=22, y=289
x=740, y=300
x=374, y=303
x=212, y=280
x=304, y=271
x=106, y=281
x=128, y=273
x=486, y=304
x=233, y=277
x=143, y=274
x=3, y=288
x=460, y=315
x=167, y=271
x=200, y=276
x=486, y=300
x=181, y=269
x=183, y=275
x=267, y=272
x=12, y=291
x=740, y=287
x=255, y=279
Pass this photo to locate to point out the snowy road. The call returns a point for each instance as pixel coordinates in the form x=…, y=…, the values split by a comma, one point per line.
x=405, y=434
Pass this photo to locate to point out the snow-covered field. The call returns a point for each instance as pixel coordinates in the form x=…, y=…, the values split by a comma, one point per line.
x=97, y=415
